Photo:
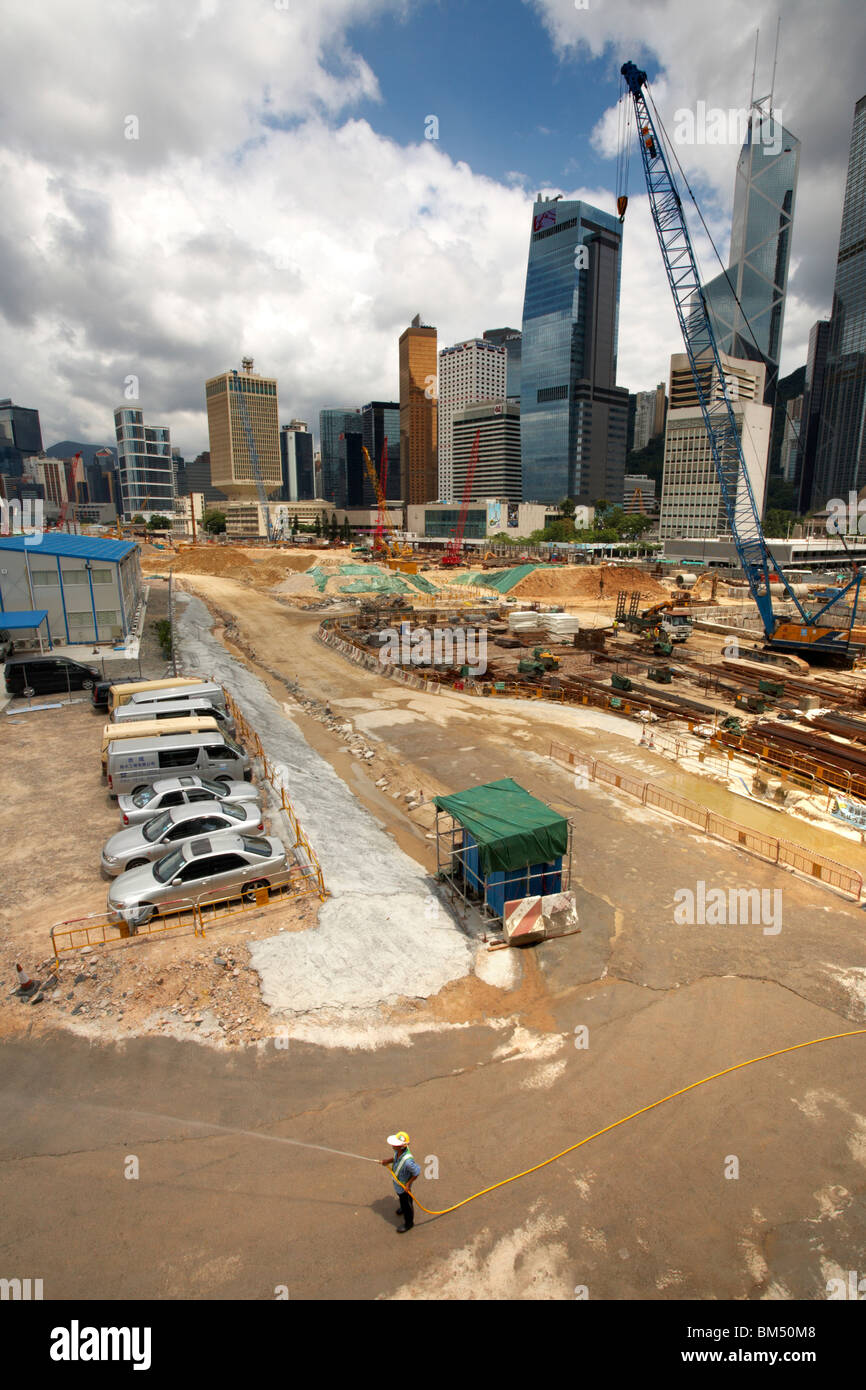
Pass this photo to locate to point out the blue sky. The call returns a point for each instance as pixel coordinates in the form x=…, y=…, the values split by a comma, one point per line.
x=505, y=102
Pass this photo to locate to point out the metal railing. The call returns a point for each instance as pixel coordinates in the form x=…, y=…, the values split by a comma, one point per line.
x=775, y=851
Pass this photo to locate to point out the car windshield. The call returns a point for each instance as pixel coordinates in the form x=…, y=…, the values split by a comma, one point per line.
x=156, y=828
x=255, y=846
x=143, y=797
x=234, y=811
x=166, y=869
x=214, y=788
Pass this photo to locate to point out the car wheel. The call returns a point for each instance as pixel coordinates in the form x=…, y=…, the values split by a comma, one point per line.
x=250, y=889
x=135, y=864
x=87, y=685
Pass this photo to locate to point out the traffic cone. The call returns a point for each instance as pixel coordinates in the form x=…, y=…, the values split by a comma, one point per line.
x=25, y=981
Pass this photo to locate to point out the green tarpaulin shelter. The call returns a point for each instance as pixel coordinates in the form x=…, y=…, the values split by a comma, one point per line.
x=510, y=827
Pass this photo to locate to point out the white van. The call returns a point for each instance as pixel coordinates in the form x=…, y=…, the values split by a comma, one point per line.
x=154, y=728
x=136, y=763
x=120, y=693
x=175, y=709
x=203, y=690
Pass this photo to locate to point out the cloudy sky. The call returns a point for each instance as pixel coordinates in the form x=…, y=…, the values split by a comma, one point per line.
x=279, y=197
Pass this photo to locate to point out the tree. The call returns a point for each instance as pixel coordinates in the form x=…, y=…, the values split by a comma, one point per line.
x=295, y=526
x=159, y=523
x=317, y=525
x=214, y=522
x=567, y=506
x=346, y=532
x=334, y=526
x=138, y=519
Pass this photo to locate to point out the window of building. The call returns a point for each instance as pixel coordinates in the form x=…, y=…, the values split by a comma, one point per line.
x=44, y=577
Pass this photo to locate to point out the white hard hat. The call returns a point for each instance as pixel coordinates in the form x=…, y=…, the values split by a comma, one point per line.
x=398, y=1140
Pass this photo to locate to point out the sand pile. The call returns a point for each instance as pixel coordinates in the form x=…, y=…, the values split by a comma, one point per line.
x=588, y=582
x=230, y=562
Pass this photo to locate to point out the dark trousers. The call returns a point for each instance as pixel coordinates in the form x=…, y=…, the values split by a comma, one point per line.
x=407, y=1210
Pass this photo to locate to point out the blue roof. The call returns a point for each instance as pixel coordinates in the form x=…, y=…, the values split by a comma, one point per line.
x=11, y=622
x=73, y=547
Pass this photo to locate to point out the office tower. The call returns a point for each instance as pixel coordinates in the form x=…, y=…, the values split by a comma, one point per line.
x=195, y=476
x=418, y=413
x=145, y=474
x=757, y=274
x=20, y=439
x=512, y=340
x=381, y=422
x=691, y=497
x=646, y=414
x=335, y=422
x=497, y=471
x=791, y=438
x=52, y=476
x=232, y=468
x=573, y=416
x=840, y=462
x=469, y=373
x=296, y=459
x=813, y=401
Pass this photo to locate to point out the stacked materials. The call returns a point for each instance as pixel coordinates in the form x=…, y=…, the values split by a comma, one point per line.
x=561, y=625
x=523, y=620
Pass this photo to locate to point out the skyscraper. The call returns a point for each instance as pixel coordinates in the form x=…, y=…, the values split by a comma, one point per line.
x=296, y=459
x=512, y=340
x=840, y=463
x=813, y=401
x=573, y=416
x=497, y=470
x=469, y=373
x=144, y=470
x=757, y=274
x=20, y=439
x=381, y=422
x=334, y=422
x=691, y=498
x=418, y=413
x=231, y=464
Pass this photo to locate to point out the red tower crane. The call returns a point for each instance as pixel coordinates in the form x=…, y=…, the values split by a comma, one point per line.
x=455, y=545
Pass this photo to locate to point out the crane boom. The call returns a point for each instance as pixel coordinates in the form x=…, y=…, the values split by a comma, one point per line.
x=803, y=634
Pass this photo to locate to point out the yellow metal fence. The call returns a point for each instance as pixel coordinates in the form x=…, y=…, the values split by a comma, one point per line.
x=798, y=857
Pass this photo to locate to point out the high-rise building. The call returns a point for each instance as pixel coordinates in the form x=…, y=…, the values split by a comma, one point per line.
x=691, y=497
x=195, y=477
x=232, y=469
x=497, y=470
x=381, y=430
x=296, y=457
x=52, y=476
x=145, y=473
x=813, y=402
x=840, y=462
x=469, y=373
x=574, y=417
x=646, y=421
x=334, y=424
x=20, y=439
x=791, y=438
x=757, y=273
x=418, y=413
x=512, y=340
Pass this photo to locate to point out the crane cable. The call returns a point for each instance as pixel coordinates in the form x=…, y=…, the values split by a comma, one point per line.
x=738, y=1066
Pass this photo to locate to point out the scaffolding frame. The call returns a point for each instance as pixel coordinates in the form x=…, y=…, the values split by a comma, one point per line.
x=451, y=867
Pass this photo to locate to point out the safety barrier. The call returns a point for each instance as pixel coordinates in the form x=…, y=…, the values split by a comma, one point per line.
x=98, y=929
x=797, y=857
x=312, y=879
x=803, y=764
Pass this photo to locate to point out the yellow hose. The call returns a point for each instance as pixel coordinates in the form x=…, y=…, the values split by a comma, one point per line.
x=727, y=1070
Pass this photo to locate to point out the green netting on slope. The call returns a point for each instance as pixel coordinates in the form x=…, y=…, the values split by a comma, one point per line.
x=503, y=581
x=421, y=583
x=377, y=584
x=321, y=576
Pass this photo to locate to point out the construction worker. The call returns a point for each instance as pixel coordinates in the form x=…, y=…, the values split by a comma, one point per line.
x=404, y=1167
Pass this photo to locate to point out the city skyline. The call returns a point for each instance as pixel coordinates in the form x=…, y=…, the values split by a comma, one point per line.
x=242, y=270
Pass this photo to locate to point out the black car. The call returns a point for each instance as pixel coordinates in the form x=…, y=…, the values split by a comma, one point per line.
x=102, y=689
x=45, y=675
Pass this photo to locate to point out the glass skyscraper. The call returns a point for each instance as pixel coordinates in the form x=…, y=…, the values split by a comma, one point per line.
x=332, y=424
x=381, y=421
x=145, y=471
x=573, y=417
x=840, y=463
x=757, y=273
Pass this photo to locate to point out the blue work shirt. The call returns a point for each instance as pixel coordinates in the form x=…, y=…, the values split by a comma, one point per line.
x=404, y=1168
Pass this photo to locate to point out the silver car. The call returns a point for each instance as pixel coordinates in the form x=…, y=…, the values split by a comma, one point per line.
x=140, y=844
x=216, y=866
x=181, y=791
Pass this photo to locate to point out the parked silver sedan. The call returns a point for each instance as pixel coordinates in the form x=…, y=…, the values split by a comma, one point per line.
x=141, y=844
x=181, y=791
x=214, y=866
